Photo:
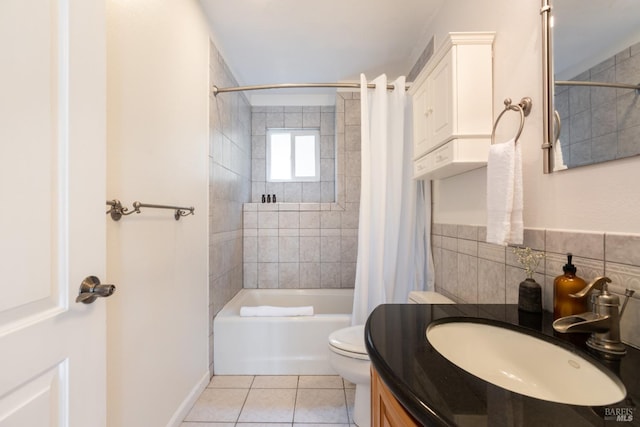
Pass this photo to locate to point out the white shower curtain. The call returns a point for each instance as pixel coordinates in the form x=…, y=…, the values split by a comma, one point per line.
x=394, y=255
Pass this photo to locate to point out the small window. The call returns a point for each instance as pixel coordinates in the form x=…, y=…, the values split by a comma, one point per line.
x=293, y=155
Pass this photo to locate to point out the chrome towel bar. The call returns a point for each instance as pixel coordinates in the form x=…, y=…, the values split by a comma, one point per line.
x=117, y=210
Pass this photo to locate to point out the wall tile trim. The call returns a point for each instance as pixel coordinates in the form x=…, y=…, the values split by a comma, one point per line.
x=469, y=270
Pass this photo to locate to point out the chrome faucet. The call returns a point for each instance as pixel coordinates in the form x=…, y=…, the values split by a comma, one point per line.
x=603, y=322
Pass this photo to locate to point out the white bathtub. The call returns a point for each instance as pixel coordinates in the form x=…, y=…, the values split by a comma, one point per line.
x=279, y=345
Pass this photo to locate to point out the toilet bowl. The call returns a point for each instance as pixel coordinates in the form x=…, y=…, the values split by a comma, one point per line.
x=349, y=358
x=428, y=297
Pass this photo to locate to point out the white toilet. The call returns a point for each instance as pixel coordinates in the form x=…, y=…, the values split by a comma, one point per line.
x=428, y=297
x=349, y=358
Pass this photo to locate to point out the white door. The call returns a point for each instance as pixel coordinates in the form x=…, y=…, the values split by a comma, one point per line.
x=52, y=212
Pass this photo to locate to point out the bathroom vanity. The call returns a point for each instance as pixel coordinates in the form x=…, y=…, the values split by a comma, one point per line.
x=413, y=384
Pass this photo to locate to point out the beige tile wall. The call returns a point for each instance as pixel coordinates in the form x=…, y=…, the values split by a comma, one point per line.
x=600, y=124
x=307, y=244
x=470, y=270
x=299, y=245
x=302, y=117
x=229, y=187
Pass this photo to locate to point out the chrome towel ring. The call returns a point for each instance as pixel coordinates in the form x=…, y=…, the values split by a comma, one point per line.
x=523, y=107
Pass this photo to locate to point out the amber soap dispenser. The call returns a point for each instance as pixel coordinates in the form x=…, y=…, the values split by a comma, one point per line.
x=568, y=283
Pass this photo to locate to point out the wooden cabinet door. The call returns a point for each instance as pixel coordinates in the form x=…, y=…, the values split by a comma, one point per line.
x=385, y=409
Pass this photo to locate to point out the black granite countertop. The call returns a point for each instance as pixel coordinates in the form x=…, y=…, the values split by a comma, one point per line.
x=436, y=392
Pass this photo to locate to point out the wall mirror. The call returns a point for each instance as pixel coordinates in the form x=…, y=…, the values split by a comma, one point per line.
x=592, y=65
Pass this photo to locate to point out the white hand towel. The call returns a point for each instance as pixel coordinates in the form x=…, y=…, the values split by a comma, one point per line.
x=271, y=311
x=558, y=159
x=504, y=194
x=516, y=235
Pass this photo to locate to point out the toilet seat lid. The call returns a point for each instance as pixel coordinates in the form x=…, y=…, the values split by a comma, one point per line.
x=349, y=340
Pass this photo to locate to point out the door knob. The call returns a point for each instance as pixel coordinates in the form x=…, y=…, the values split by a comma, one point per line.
x=91, y=289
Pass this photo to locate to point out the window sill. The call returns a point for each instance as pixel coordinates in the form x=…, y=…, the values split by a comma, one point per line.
x=292, y=207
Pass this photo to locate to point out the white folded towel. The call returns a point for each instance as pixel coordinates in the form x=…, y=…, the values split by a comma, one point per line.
x=271, y=311
x=558, y=159
x=504, y=194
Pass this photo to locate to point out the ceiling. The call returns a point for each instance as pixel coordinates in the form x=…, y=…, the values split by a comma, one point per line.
x=309, y=41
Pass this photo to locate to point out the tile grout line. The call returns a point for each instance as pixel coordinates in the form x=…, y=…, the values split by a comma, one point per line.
x=295, y=402
x=346, y=401
x=245, y=400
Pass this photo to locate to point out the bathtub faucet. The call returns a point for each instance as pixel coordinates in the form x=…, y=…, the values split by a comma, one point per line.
x=603, y=322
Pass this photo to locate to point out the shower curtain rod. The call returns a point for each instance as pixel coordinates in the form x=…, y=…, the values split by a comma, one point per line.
x=216, y=90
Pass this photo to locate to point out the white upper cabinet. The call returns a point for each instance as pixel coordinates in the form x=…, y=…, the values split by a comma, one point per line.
x=453, y=106
x=440, y=113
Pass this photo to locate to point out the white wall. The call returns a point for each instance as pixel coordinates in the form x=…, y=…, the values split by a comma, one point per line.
x=157, y=119
x=598, y=198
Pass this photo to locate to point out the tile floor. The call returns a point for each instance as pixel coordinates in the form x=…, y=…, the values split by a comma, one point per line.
x=274, y=401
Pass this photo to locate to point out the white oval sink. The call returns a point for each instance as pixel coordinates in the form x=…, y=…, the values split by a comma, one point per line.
x=525, y=364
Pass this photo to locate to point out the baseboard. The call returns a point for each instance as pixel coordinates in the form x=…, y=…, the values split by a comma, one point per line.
x=188, y=402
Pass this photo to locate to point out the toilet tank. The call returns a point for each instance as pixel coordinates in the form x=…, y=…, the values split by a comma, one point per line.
x=428, y=297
